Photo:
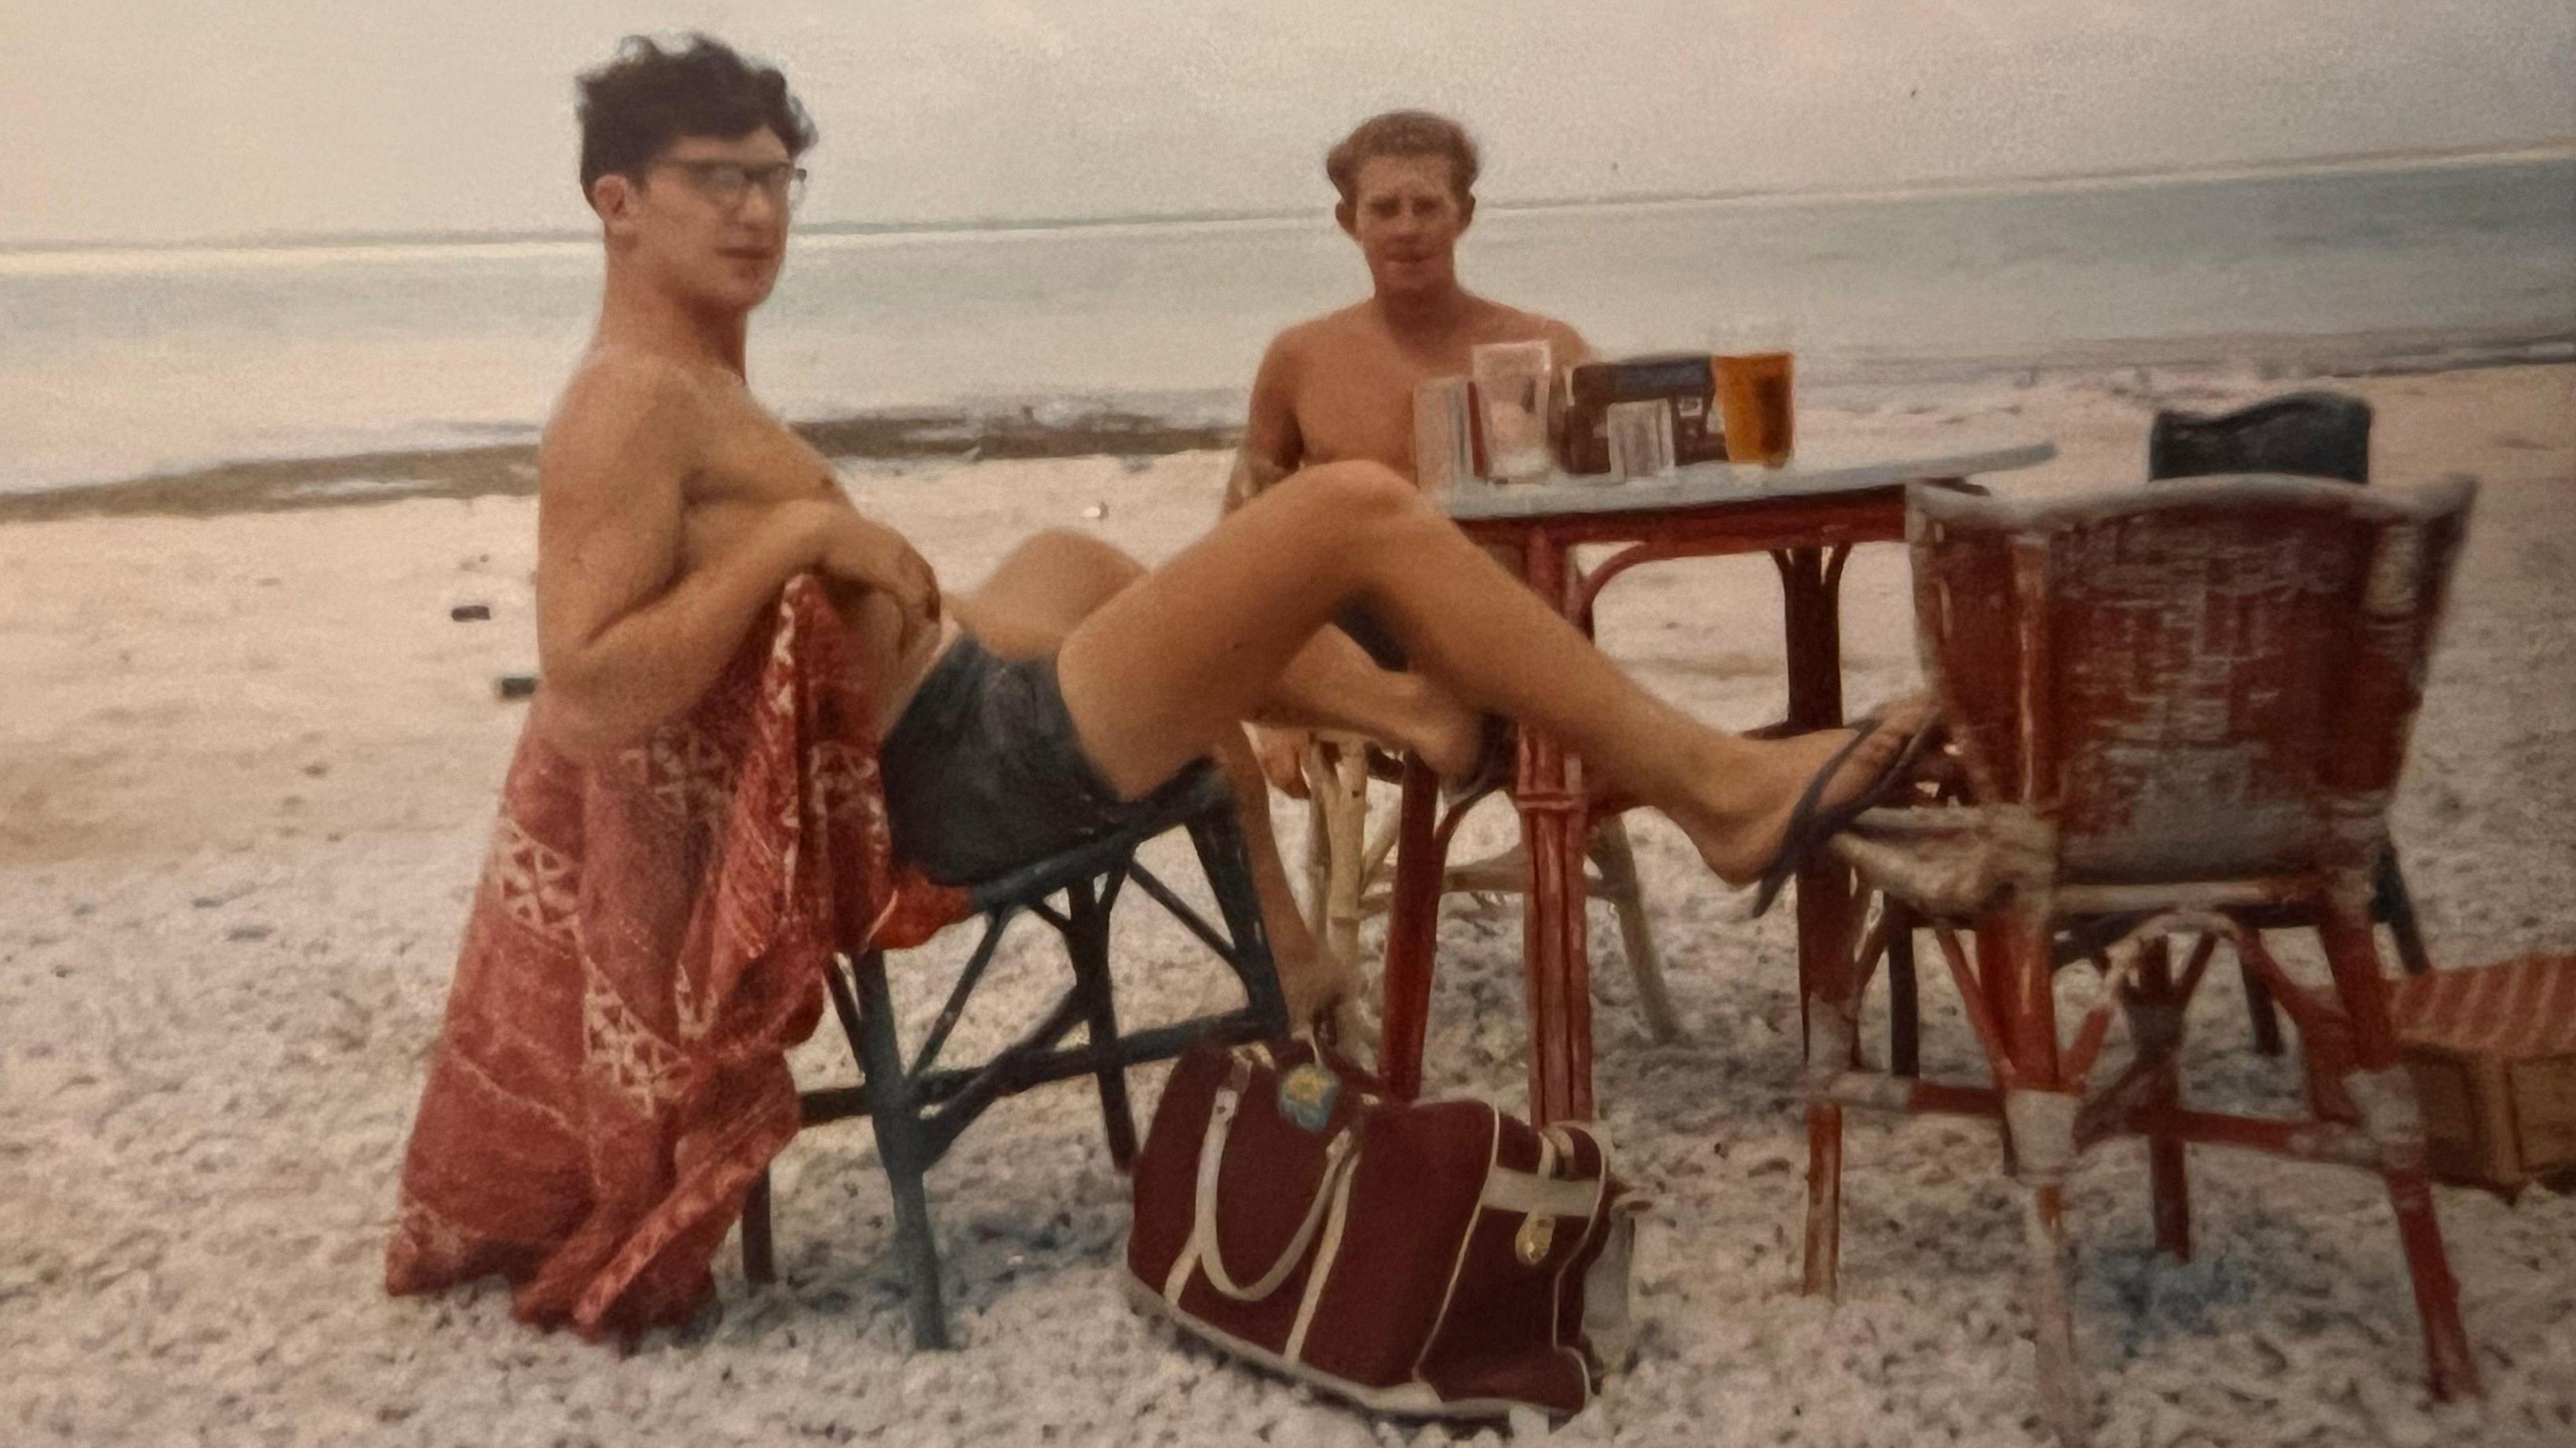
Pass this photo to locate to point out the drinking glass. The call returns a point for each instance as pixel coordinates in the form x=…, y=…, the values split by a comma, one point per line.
x=1515, y=382
x=1756, y=381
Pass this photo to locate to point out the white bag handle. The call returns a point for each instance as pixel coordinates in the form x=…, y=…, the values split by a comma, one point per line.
x=1338, y=1158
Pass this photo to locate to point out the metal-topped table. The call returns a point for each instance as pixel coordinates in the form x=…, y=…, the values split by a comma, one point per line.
x=1565, y=495
x=1806, y=516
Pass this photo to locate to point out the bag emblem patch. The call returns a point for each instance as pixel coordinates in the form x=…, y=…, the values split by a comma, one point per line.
x=1307, y=1094
x=1531, y=1242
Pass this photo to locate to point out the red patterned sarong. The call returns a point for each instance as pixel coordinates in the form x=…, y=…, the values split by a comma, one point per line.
x=648, y=939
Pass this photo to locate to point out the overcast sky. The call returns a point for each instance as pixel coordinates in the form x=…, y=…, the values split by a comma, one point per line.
x=194, y=119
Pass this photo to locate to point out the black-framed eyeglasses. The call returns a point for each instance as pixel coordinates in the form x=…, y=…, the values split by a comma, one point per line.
x=729, y=183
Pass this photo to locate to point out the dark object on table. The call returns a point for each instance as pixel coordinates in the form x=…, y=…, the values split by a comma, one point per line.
x=470, y=612
x=1685, y=381
x=515, y=686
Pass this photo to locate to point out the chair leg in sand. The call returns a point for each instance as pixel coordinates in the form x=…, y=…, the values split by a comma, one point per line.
x=1346, y=873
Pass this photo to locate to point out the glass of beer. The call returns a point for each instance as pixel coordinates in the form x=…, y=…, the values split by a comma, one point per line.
x=1755, y=385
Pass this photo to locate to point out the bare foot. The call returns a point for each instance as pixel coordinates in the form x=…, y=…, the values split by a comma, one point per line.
x=1741, y=829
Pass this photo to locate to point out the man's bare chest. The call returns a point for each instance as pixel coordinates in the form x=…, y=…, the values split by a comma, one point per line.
x=752, y=457
x=1359, y=409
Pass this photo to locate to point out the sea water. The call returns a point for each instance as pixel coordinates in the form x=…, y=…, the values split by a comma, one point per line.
x=120, y=363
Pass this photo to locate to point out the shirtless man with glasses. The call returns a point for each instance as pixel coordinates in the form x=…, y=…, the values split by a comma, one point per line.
x=673, y=508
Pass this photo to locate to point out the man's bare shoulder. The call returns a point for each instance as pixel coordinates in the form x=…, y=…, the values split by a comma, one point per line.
x=625, y=383
x=1328, y=332
x=1511, y=324
x=619, y=403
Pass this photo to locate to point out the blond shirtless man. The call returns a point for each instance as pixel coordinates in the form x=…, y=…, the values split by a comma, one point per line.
x=1339, y=388
x=673, y=508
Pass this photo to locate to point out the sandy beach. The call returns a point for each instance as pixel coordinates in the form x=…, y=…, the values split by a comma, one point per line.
x=247, y=760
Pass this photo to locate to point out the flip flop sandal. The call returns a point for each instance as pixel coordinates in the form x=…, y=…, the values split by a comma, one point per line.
x=1810, y=826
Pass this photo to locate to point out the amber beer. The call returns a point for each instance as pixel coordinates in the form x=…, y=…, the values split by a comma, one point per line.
x=1754, y=407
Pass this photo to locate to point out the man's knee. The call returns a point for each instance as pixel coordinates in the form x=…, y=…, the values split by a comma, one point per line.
x=1356, y=489
x=1066, y=553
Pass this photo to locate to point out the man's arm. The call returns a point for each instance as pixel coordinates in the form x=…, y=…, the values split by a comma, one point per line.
x=1272, y=447
x=625, y=639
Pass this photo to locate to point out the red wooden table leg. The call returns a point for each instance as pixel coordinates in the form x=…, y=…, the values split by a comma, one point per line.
x=1552, y=925
x=1811, y=609
x=1826, y=900
x=1412, y=933
x=1554, y=949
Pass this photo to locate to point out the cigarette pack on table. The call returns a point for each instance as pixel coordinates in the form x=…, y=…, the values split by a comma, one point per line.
x=1684, y=381
x=1641, y=438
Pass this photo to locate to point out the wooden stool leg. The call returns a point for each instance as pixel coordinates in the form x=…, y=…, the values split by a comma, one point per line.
x=1412, y=926
x=1346, y=826
x=903, y=1154
x=2385, y=1093
x=759, y=1261
x=1616, y=858
x=1319, y=853
x=2062, y=1398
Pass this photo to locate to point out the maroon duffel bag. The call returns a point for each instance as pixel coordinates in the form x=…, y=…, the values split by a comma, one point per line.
x=1436, y=1258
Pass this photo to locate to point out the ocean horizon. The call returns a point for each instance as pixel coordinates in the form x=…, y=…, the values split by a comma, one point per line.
x=119, y=363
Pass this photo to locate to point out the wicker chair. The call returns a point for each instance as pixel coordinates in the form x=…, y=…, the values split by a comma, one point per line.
x=2176, y=707
x=2304, y=434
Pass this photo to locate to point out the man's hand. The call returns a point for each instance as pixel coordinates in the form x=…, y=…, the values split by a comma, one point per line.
x=870, y=555
x=1253, y=475
x=1282, y=752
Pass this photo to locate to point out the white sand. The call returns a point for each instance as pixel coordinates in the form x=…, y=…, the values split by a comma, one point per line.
x=246, y=764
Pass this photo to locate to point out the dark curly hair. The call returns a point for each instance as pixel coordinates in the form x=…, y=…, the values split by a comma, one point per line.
x=648, y=97
x=1404, y=133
